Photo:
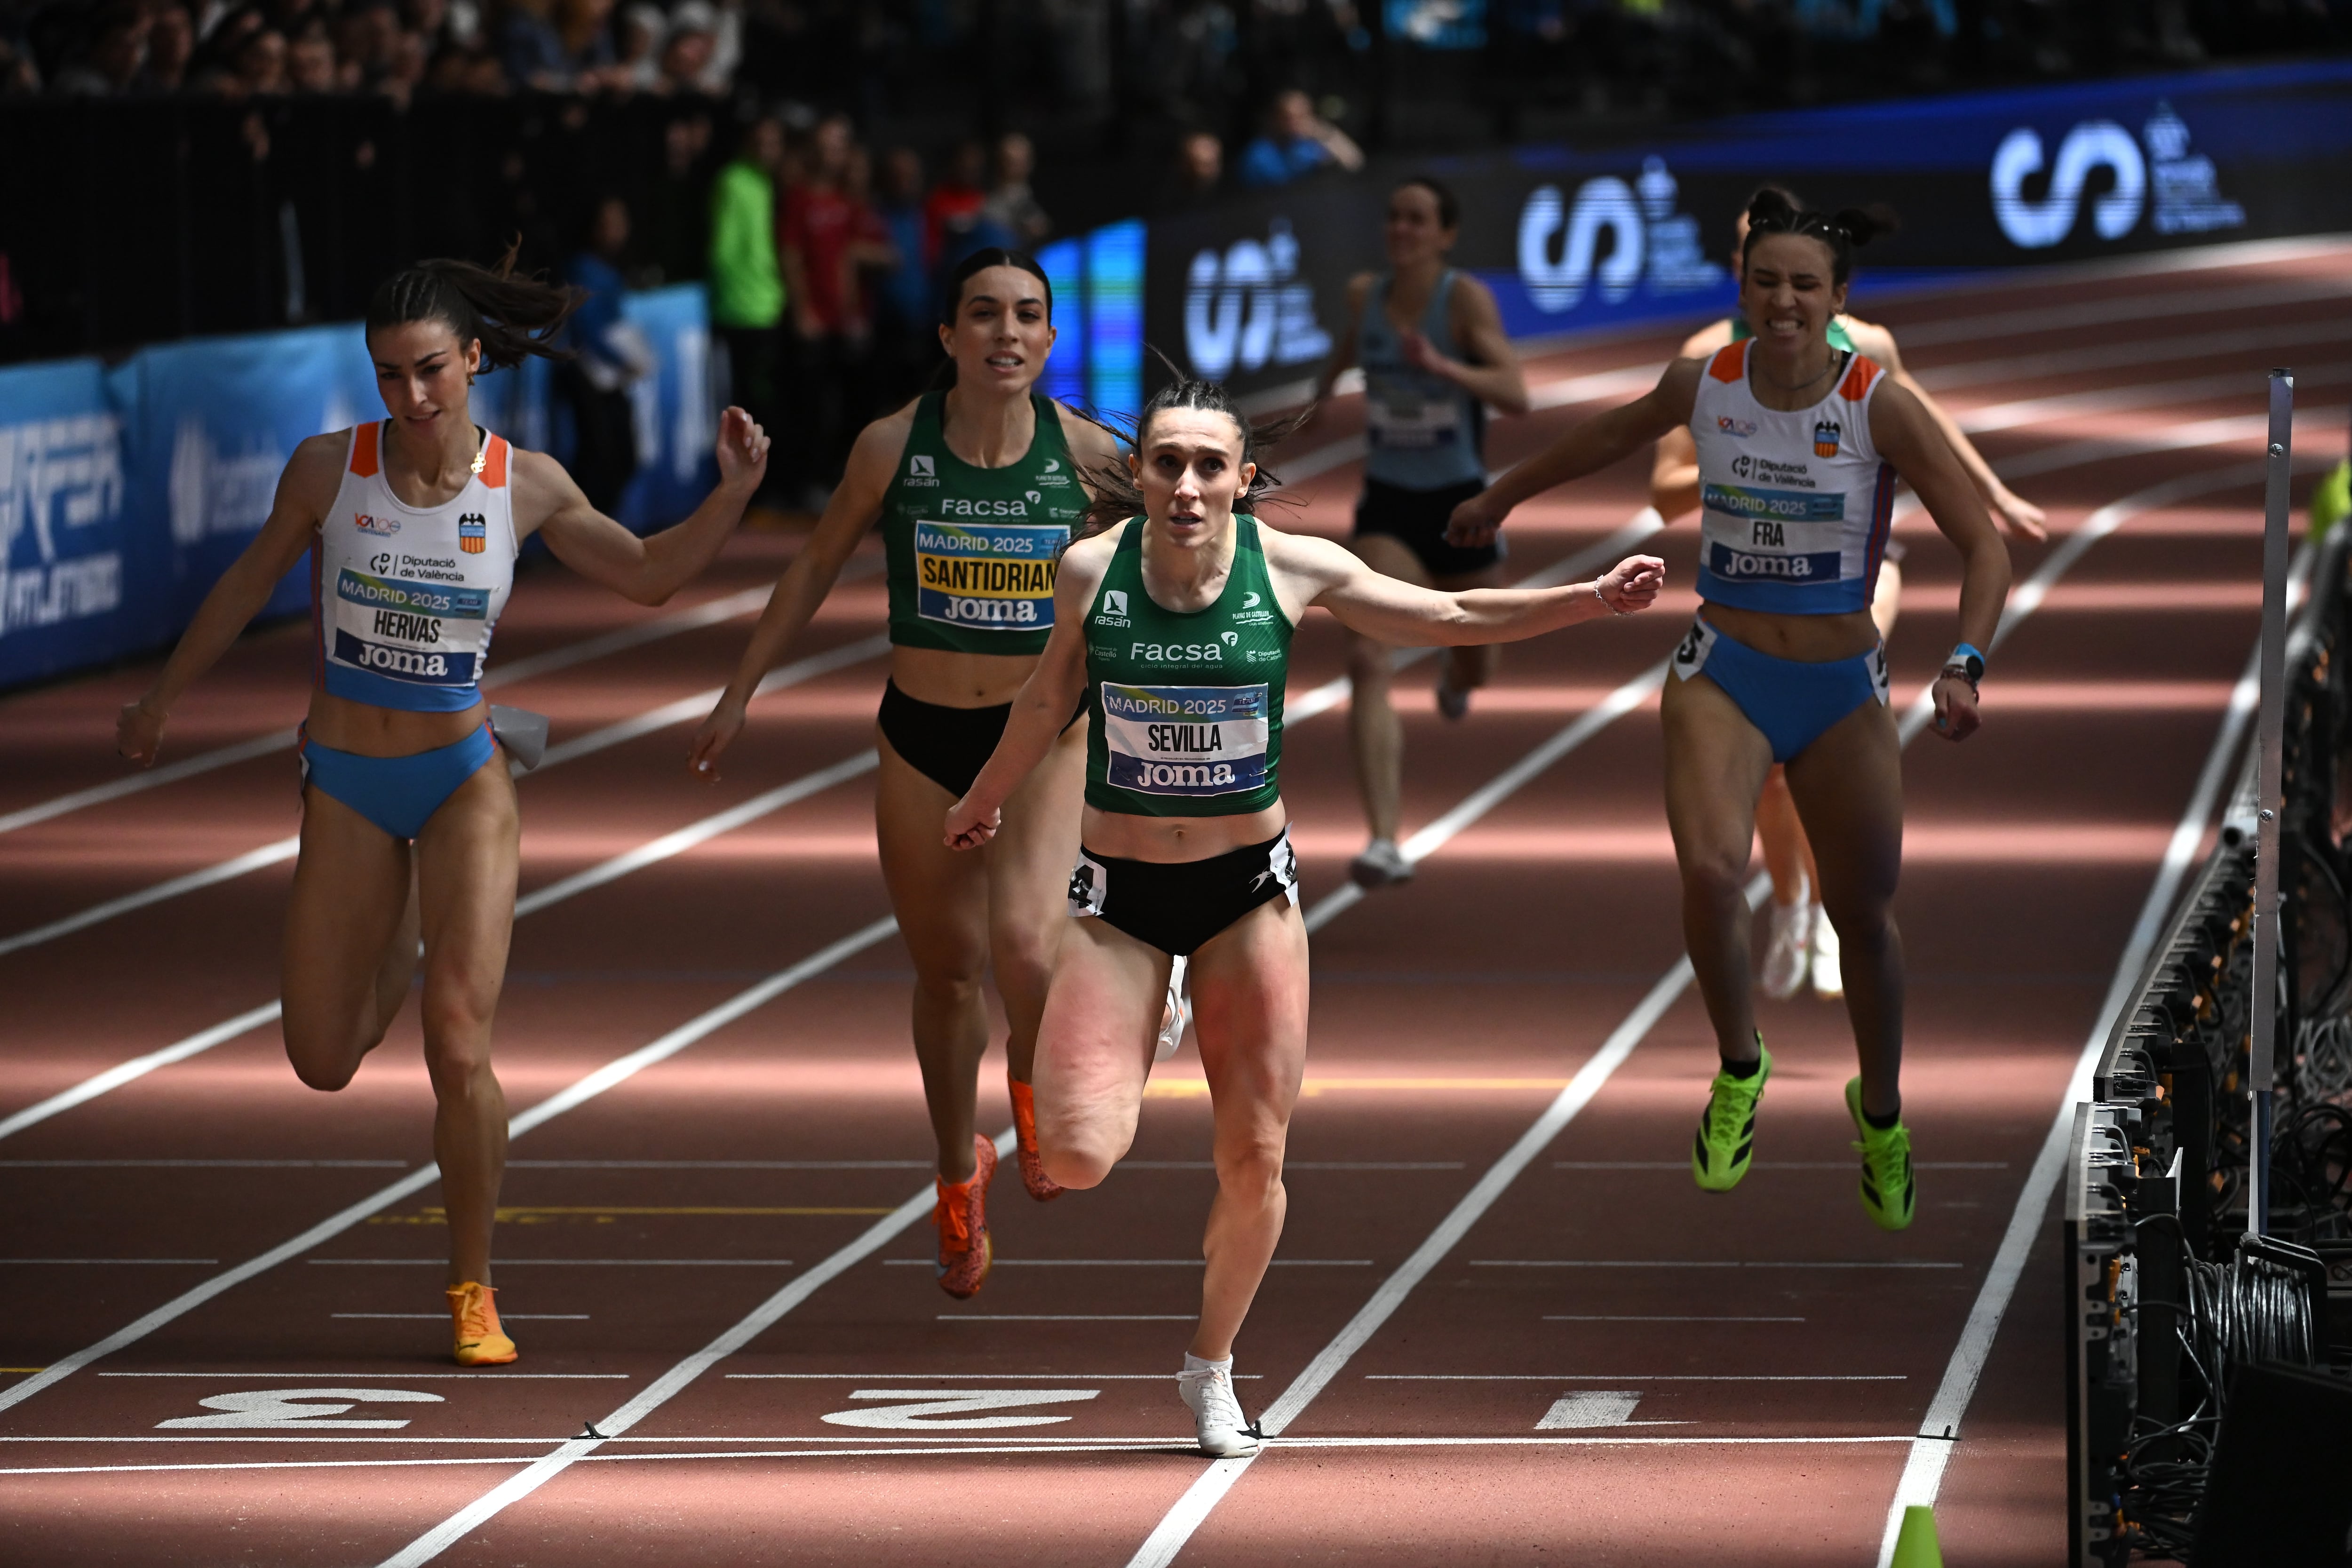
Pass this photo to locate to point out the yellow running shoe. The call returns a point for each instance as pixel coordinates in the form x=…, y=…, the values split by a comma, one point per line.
x=961, y=1215
x=1888, y=1194
x=1727, y=1131
x=1040, y=1186
x=475, y=1311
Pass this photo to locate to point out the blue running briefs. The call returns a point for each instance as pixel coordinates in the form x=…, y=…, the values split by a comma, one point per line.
x=399, y=795
x=1793, y=703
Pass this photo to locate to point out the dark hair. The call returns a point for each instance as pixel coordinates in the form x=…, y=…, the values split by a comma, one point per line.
x=980, y=261
x=1117, y=497
x=1773, y=211
x=1449, y=205
x=511, y=317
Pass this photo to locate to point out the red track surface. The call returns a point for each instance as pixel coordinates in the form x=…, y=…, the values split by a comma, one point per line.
x=1448, y=1014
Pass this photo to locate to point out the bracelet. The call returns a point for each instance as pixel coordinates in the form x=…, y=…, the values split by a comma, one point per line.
x=1604, y=599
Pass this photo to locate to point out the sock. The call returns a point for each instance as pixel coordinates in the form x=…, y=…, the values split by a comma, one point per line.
x=1194, y=1365
x=1885, y=1123
x=1743, y=1070
x=1024, y=1109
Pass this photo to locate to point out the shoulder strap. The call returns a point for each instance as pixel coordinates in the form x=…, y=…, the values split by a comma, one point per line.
x=1860, y=376
x=1730, y=361
x=364, y=459
x=494, y=462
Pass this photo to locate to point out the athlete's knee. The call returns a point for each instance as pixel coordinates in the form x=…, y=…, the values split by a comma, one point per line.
x=1251, y=1173
x=1863, y=925
x=1368, y=664
x=1714, y=875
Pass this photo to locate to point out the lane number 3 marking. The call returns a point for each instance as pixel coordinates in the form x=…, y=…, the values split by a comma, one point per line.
x=307, y=1408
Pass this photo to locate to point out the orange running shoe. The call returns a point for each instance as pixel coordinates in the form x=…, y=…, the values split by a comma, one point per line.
x=961, y=1214
x=1042, y=1187
x=480, y=1340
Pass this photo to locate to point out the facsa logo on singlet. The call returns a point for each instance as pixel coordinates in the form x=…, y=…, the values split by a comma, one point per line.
x=918, y=470
x=1177, y=652
x=954, y=506
x=382, y=527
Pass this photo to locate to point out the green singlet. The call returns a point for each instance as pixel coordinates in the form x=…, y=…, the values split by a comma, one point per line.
x=1839, y=337
x=1187, y=705
x=972, y=551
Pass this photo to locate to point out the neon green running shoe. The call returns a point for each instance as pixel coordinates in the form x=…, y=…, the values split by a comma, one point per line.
x=1888, y=1193
x=1727, y=1132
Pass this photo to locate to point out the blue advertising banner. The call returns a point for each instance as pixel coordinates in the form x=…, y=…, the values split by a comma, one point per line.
x=1575, y=239
x=129, y=491
x=65, y=541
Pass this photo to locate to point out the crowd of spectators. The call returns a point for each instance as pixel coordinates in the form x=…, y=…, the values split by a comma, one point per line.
x=825, y=280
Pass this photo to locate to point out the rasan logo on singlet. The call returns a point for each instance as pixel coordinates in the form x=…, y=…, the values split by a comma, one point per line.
x=2187, y=191
x=918, y=473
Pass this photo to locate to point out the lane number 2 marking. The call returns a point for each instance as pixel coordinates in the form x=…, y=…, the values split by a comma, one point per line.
x=926, y=1409
x=306, y=1408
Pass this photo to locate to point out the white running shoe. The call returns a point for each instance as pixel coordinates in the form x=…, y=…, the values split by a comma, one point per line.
x=1174, y=1014
x=1216, y=1413
x=1381, y=864
x=1789, y=950
x=1828, y=979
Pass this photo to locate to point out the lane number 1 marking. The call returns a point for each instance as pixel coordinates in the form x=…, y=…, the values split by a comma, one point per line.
x=926, y=1409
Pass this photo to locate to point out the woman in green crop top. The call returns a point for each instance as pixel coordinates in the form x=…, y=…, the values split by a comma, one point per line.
x=1175, y=628
x=976, y=488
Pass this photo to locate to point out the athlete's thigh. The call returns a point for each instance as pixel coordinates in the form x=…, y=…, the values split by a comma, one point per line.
x=1030, y=859
x=1848, y=786
x=1390, y=557
x=940, y=895
x=1102, y=1017
x=467, y=858
x=1715, y=765
x=1249, y=987
x=351, y=889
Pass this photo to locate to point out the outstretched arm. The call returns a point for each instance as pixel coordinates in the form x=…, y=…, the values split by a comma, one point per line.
x=2020, y=517
x=856, y=502
x=1317, y=572
x=1043, y=709
x=305, y=490
x=1908, y=438
x=1583, y=448
x=644, y=570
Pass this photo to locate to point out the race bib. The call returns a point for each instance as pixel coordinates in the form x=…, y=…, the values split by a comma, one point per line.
x=987, y=576
x=1402, y=422
x=433, y=634
x=1756, y=535
x=1186, y=740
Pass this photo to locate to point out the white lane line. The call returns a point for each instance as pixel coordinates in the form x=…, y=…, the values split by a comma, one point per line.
x=1771, y=1165
x=961, y=1450
x=948, y=1376
x=1923, y=1470
x=503, y=1317
x=1069, y=1317
x=1141, y=1262
x=2133, y=352
x=1177, y=1526
x=560, y=1263
x=2026, y=411
x=395, y=1373
x=1694, y=1263
x=1632, y=1377
x=1651, y=1318
x=667, y=846
x=880, y=1233
x=719, y=1164
x=749, y=602
x=596, y=740
x=5, y=1262
x=582, y=1090
x=2162, y=306
x=203, y=1164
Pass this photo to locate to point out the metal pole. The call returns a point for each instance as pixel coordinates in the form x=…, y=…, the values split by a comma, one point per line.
x=2270, y=724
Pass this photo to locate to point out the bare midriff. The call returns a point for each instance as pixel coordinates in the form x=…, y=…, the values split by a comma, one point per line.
x=950, y=679
x=1801, y=639
x=367, y=730
x=1174, y=840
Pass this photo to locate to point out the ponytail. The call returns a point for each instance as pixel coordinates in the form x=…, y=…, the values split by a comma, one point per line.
x=511, y=317
x=1773, y=210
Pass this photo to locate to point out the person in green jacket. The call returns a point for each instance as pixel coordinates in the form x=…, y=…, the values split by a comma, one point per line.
x=746, y=285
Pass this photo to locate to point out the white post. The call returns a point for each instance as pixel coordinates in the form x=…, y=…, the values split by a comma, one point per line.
x=2271, y=724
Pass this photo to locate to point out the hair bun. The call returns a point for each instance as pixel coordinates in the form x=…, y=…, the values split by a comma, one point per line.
x=1770, y=205
x=1862, y=225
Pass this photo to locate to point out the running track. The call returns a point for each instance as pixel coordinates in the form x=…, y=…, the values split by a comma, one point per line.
x=1481, y=1343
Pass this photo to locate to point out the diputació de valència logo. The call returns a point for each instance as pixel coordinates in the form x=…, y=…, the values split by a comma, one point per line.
x=1560, y=258
x=1247, y=308
x=2157, y=163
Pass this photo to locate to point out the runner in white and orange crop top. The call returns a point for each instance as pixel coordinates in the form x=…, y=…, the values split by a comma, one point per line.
x=409, y=821
x=1798, y=444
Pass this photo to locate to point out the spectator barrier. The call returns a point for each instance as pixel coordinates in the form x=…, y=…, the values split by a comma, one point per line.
x=126, y=491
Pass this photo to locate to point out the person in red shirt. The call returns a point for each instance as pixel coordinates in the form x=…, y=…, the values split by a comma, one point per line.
x=815, y=234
